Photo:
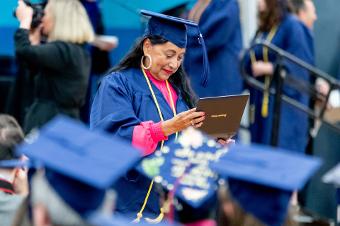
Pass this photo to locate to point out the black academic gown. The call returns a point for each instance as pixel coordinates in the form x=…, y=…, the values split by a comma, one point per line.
x=61, y=84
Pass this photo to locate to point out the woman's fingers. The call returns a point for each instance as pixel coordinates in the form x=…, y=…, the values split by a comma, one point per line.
x=224, y=142
x=198, y=125
x=198, y=120
x=189, y=118
x=221, y=141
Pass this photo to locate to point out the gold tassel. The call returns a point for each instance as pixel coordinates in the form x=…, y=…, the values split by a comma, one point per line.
x=164, y=210
x=157, y=219
x=264, y=110
x=265, y=100
x=137, y=220
x=140, y=213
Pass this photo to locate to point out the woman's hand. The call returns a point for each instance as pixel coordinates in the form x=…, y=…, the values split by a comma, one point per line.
x=182, y=121
x=261, y=68
x=24, y=13
x=20, y=182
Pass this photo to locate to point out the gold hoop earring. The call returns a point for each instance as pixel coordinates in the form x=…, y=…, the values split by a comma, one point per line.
x=142, y=60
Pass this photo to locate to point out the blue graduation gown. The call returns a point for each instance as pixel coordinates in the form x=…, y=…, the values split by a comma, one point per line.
x=293, y=131
x=221, y=29
x=122, y=102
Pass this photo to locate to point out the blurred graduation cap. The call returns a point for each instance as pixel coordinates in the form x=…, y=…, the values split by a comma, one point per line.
x=174, y=29
x=79, y=164
x=261, y=178
x=182, y=167
x=13, y=163
x=120, y=220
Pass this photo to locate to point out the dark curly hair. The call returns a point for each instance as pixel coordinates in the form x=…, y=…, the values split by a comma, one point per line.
x=275, y=11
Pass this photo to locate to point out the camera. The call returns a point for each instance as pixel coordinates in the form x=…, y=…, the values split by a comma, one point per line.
x=38, y=12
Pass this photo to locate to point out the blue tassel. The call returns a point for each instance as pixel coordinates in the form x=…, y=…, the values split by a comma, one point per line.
x=206, y=68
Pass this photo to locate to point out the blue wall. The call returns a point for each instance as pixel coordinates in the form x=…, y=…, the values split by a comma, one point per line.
x=321, y=197
x=121, y=18
x=127, y=31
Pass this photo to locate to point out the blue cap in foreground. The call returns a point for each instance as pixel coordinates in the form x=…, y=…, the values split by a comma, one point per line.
x=261, y=178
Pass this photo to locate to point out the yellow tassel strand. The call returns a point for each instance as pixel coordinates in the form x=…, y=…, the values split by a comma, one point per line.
x=157, y=219
x=265, y=100
x=164, y=210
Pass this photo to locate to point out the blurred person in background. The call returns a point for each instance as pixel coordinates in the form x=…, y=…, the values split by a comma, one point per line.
x=280, y=27
x=100, y=53
x=305, y=11
x=24, y=83
x=219, y=22
x=63, y=62
x=13, y=180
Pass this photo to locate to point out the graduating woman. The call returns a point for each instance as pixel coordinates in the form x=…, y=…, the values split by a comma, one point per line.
x=147, y=100
x=278, y=26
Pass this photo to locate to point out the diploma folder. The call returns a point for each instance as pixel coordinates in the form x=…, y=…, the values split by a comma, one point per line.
x=222, y=114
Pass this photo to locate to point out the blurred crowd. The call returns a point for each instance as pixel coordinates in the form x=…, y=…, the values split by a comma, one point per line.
x=148, y=99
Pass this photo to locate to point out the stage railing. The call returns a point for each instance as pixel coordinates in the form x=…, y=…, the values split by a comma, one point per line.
x=279, y=78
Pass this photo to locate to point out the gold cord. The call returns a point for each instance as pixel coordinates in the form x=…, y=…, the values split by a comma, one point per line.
x=265, y=100
x=140, y=213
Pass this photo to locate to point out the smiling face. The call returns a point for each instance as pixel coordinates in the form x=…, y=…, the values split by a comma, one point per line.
x=166, y=59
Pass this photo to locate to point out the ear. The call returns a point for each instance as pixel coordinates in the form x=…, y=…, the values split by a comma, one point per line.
x=147, y=46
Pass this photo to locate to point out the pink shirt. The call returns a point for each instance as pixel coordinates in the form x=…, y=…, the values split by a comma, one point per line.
x=147, y=134
x=207, y=222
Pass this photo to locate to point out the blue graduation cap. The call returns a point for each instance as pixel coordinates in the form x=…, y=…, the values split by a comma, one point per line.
x=174, y=29
x=79, y=164
x=261, y=178
x=13, y=163
x=182, y=167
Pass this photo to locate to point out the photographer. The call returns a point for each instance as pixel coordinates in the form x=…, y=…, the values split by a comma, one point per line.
x=63, y=62
x=24, y=83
